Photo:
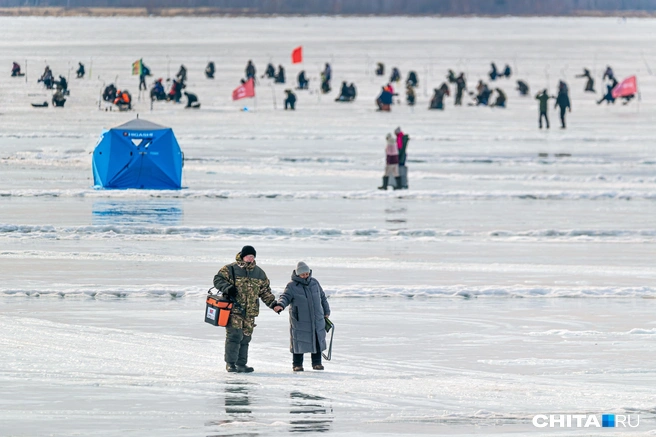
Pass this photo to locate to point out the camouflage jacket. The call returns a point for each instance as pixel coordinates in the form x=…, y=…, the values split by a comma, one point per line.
x=252, y=285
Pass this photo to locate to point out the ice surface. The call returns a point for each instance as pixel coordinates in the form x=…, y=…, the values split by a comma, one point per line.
x=503, y=284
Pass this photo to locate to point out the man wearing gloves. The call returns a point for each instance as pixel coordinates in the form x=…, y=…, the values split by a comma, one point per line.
x=244, y=283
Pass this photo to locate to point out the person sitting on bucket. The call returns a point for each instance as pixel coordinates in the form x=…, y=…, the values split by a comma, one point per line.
x=308, y=310
x=244, y=283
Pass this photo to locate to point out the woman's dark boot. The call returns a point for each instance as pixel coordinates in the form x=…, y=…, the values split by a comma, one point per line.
x=398, y=185
x=385, y=182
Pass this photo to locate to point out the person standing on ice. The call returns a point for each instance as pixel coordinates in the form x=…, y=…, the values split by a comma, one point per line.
x=250, y=71
x=244, y=283
x=308, y=310
x=391, y=163
x=461, y=85
x=562, y=101
x=543, y=97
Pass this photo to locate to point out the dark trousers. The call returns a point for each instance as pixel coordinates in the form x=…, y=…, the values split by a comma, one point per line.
x=142, y=83
x=236, y=346
x=316, y=358
x=563, y=110
x=544, y=114
x=289, y=104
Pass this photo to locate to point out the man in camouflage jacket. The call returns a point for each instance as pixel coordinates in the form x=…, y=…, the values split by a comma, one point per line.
x=245, y=288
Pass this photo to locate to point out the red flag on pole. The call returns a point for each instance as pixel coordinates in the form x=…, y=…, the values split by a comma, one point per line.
x=627, y=87
x=297, y=55
x=245, y=90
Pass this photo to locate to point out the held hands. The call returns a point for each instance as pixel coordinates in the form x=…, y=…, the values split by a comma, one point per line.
x=278, y=309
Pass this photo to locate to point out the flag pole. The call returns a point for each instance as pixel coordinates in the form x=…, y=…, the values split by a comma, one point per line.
x=273, y=93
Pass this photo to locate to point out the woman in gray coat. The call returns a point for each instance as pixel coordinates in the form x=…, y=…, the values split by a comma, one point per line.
x=309, y=308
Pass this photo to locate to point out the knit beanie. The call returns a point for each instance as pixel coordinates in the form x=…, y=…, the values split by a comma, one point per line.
x=301, y=268
x=247, y=250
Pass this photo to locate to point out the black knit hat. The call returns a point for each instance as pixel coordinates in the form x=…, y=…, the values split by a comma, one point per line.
x=247, y=250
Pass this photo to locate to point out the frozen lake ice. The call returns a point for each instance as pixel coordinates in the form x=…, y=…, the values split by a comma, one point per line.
x=502, y=284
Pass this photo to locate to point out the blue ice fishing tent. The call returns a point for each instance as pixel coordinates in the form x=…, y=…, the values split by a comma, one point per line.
x=138, y=154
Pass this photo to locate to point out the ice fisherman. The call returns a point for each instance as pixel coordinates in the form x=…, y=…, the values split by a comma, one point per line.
x=501, y=98
x=380, y=69
x=608, y=74
x=62, y=84
x=280, y=75
x=175, y=92
x=563, y=102
x=608, y=97
x=80, y=70
x=145, y=72
x=303, y=82
x=493, y=72
x=326, y=76
x=47, y=78
x=410, y=96
x=210, y=70
x=243, y=282
x=437, y=102
x=483, y=96
x=461, y=86
x=523, y=88
x=308, y=311
x=109, y=93
x=386, y=98
x=182, y=74
x=192, y=101
x=290, y=100
x=412, y=79
x=543, y=97
x=347, y=93
x=250, y=70
x=270, y=72
x=58, y=99
x=507, y=72
x=589, y=84
x=157, y=92
x=396, y=75
x=402, y=144
x=16, y=70
x=123, y=100
x=451, y=76
x=391, y=163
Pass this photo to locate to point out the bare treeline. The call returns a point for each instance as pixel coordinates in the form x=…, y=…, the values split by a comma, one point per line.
x=366, y=7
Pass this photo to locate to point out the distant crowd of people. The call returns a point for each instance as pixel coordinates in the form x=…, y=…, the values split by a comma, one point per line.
x=482, y=95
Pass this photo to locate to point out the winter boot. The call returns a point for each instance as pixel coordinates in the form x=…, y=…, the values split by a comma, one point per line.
x=243, y=369
x=385, y=182
x=398, y=185
x=231, y=368
x=298, y=368
x=317, y=367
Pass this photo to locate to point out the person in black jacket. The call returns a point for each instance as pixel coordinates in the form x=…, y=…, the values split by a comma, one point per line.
x=290, y=101
x=562, y=101
x=280, y=76
x=303, y=82
x=210, y=70
x=250, y=70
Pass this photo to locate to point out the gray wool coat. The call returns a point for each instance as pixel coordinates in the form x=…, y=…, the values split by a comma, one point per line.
x=307, y=307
